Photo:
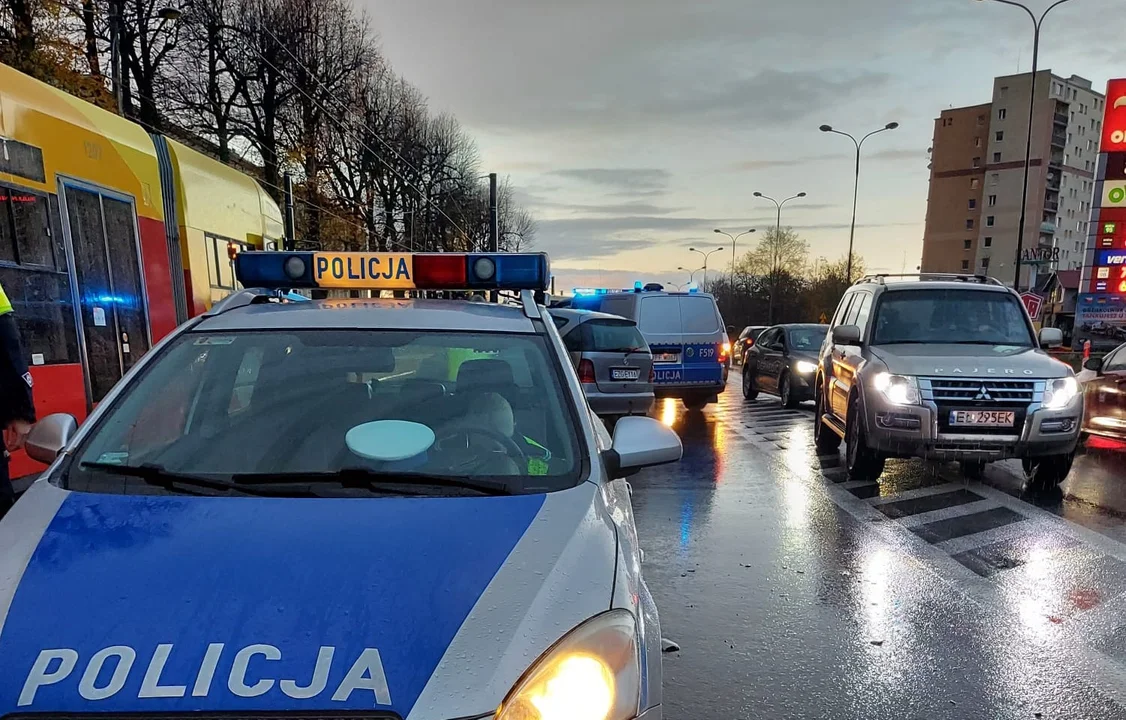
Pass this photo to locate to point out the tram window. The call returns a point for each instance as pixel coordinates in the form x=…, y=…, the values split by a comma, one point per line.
x=33, y=234
x=44, y=313
x=7, y=240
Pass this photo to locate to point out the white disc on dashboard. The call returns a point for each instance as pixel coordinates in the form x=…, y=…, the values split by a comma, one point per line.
x=389, y=440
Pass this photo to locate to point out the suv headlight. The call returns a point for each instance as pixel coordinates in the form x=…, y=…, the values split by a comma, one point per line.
x=897, y=389
x=592, y=673
x=1060, y=392
x=805, y=367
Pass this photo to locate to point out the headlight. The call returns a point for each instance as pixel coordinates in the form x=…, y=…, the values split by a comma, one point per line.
x=1060, y=392
x=805, y=368
x=897, y=389
x=593, y=673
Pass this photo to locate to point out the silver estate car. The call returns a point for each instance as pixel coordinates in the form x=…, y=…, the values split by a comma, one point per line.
x=612, y=358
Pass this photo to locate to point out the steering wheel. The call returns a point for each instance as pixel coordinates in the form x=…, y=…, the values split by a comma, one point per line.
x=503, y=442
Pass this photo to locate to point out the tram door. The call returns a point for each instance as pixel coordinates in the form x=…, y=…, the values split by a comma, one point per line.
x=111, y=297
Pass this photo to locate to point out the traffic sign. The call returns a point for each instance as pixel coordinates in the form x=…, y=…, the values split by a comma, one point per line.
x=1033, y=303
x=824, y=319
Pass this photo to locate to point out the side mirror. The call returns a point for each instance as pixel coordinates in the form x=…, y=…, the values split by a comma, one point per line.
x=49, y=436
x=846, y=335
x=1094, y=364
x=1051, y=337
x=640, y=442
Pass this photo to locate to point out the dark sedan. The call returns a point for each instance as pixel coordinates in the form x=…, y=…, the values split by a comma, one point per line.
x=783, y=362
x=745, y=341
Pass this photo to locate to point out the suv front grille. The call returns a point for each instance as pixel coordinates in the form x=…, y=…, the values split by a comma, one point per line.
x=978, y=392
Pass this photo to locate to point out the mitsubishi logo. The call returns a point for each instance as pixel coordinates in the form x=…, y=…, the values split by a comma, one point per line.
x=983, y=394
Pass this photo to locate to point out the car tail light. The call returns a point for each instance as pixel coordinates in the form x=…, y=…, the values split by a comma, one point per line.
x=750, y=342
x=724, y=352
x=586, y=372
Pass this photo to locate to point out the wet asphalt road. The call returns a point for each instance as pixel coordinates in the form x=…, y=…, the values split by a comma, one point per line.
x=795, y=593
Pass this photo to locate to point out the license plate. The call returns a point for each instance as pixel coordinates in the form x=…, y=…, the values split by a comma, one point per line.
x=983, y=418
x=666, y=357
x=624, y=373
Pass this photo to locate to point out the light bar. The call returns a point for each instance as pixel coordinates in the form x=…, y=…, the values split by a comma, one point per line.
x=393, y=271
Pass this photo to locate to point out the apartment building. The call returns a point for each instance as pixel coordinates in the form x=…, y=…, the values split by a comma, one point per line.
x=977, y=172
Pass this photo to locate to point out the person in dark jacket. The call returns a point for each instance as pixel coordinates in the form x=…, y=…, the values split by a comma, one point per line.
x=17, y=409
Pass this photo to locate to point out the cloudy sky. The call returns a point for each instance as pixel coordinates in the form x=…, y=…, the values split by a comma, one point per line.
x=633, y=128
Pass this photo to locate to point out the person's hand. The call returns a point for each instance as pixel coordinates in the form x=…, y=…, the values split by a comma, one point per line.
x=15, y=434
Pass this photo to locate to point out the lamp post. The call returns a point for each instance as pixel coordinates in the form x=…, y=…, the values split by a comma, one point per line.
x=706, y=255
x=691, y=273
x=1036, y=23
x=856, y=181
x=774, y=250
x=734, y=239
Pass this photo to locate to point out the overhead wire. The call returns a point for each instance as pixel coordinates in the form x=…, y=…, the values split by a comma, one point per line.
x=303, y=201
x=343, y=126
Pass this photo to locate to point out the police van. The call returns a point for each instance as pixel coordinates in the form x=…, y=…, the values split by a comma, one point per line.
x=378, y=508
x=686, y=335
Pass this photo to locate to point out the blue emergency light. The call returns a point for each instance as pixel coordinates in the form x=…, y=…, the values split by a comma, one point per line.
x=393, y=271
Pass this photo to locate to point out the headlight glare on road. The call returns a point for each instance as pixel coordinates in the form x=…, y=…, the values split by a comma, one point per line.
x=897, y=389
x=593, y=673
x=1060, y=392
x=804, y=367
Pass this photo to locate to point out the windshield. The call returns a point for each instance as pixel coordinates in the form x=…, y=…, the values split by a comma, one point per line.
x=807, y=339
x=951, y=316
x=321, y=401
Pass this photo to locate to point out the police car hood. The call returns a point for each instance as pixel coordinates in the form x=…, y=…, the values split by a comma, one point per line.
x=964, y=360
x=425, y=607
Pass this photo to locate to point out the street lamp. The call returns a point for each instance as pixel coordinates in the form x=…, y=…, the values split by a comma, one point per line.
x=734, y=239
x=1036, y=23
x=856, y=180
x=691, y=273
x=774, y=252
x=706, y=255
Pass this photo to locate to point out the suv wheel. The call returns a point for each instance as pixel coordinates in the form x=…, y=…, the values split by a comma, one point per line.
x=863, y=462
x=786, y=392
x=1048, y=471
x=825, y=439
x=750, y=392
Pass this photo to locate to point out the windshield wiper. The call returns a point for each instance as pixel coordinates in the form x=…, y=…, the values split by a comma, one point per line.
x=152, y=474
x=359, y=477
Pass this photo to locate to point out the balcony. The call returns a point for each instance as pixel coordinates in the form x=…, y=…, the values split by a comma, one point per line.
x=1048, y=228
x=1051, y=206
x=1059, y=139
x=1056, y=160
x=1060, y=119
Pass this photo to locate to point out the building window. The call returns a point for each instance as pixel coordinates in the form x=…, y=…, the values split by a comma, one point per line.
x=974, y=183
x=977, y=142
x=970, y=224
x=1000, y=135
x=992, y=200
x=965, y=264
x=996, y=157
x=977, y=162
x=989, y=221
x=1092, y=123
x=1001, y=114
x=985, y=263
x=988, y=241
x=1090, y=144
x=980, y=120
x=973, y=203
x=994, y=179
x=1004, y=91
x=966, y=244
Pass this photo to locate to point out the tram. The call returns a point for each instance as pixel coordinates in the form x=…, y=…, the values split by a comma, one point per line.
x=110, y=237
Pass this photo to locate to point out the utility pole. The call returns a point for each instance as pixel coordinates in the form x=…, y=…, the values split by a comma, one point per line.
x=117, y=10
x=290, y=222
x=494, y=226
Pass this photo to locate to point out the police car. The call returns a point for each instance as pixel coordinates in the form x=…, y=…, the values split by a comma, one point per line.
x=376, y=508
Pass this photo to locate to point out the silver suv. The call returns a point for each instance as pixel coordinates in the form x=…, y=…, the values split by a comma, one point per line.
x=944, y=367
